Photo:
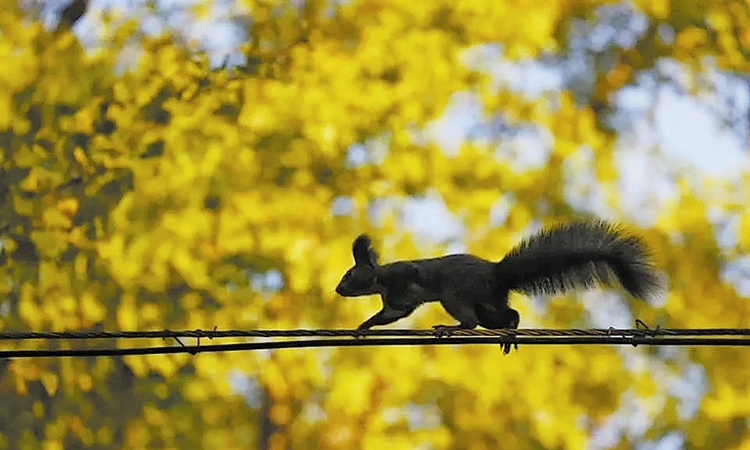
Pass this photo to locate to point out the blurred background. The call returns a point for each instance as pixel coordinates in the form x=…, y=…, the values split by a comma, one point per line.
x=183, y=165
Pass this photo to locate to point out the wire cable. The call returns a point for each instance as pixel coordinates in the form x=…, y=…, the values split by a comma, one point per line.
x=708, y=337
x=215, y=334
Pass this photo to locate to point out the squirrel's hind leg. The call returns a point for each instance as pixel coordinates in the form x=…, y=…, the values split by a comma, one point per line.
x=462, y=311
x=494, y=319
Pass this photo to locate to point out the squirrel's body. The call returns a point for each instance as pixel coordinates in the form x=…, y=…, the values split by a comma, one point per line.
x=475, y=291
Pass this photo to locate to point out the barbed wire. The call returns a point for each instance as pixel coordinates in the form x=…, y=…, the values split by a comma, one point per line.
x=394, y=337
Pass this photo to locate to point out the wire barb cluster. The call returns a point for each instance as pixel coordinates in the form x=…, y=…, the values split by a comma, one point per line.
x=343, y=338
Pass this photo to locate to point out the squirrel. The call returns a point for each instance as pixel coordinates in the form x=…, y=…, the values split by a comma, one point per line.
x=475, y=291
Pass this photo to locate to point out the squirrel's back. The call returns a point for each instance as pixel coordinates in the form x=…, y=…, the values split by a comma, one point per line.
x=579, y=255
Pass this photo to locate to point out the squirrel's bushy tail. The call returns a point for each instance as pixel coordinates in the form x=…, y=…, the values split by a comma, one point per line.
x=579, y=255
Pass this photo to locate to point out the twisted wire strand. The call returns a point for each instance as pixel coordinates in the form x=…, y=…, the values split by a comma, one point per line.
x=215, y=334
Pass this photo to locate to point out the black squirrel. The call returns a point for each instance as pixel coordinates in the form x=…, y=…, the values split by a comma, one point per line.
x=475, y=291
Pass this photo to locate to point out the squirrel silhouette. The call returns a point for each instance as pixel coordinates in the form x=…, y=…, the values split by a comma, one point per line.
x=475, y=291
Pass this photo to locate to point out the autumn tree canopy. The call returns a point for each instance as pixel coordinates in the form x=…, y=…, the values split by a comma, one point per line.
x=145, y=186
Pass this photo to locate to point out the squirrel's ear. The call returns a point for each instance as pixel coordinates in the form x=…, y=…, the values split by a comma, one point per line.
x=363, y=252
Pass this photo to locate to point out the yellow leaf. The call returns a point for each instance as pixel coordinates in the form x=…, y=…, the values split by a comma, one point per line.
x=68, y=207
x=137, y=364
x=350, y=391
x=280, y=413
x=743, y=231
x=38, y=409
x=81, y=266
x=52, y=444
x=6, y=110
x=68, y=304
x=690, y=38
x=645, y=387
x=56, y=218
x=50, y=381
x=197, y=390
x=85, y=382
x=127, y=314
x=390, y=440
x=300, y=281
x=659, y=9
x=91, y=309
x=724, y=402
x=83, y=122
x=150, y=313
x=28, y=309
x=163, y=365
x=31, y=182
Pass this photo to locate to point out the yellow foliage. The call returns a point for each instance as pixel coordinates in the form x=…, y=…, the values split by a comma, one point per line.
x=143, y=189
x=50, y=381
x=127, y=317
x=691, y=38
x=92, y=310
x=350, y=392
x=660, y=9
x=52, y=444
x=68, y=208
x=744, y=231
x=725, y=401
x=28, y=309
x=6, y=119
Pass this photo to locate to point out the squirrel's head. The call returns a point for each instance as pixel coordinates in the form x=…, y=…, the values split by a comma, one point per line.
x=360, y=279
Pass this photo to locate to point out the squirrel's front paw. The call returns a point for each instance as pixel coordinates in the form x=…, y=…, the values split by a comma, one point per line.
x=443, y=330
